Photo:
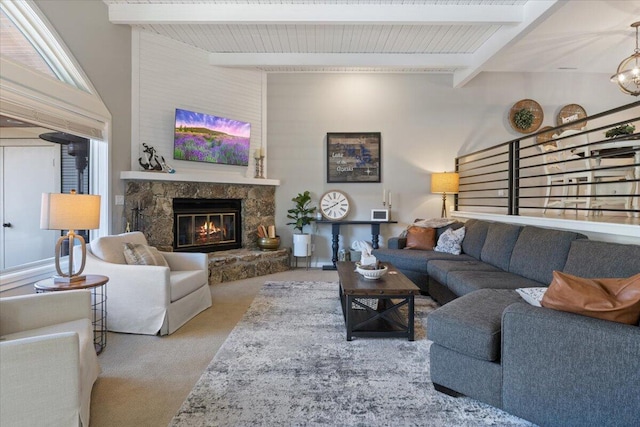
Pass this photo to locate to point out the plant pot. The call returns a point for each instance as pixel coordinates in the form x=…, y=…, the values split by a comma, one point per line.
x=301, y=244
x=269, y=243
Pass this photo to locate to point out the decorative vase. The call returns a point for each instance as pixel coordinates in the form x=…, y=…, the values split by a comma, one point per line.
x=301, y=245
x=269, y=243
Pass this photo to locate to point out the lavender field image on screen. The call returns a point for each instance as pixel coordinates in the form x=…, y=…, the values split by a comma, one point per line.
x=205, y=138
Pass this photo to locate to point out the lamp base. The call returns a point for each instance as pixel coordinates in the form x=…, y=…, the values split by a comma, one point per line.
x=68, y=279
x=443, y=214
x=71, y=276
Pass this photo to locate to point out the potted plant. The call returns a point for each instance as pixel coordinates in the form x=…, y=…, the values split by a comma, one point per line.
x=301, y=214
x=626, y=129
x=523, y=119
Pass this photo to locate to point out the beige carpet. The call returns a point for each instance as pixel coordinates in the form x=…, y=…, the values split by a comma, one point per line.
x=145, y=379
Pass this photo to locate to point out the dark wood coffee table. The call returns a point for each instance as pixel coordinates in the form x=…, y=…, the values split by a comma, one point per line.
x=372, y=308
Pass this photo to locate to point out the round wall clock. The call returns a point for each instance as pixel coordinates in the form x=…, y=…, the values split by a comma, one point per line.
x=334, y=205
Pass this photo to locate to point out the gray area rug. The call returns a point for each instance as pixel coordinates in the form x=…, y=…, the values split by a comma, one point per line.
x=287, y=363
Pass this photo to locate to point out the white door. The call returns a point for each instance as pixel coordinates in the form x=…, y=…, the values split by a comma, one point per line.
x=27, y=172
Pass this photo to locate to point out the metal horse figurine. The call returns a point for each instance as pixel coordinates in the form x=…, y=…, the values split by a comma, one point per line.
x=152, y=161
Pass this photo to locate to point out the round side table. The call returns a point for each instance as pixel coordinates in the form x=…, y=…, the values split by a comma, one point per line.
x=96, y=284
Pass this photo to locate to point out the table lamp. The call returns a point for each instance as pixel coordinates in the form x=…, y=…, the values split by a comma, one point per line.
x=445, y=182
x=70, y=212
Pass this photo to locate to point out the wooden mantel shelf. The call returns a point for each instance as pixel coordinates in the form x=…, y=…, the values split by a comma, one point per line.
x=199, y=176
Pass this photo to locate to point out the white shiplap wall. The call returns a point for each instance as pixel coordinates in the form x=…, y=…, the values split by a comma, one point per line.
x=168, y=75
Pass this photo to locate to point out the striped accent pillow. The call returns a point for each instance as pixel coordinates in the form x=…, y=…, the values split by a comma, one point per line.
x=138, y=254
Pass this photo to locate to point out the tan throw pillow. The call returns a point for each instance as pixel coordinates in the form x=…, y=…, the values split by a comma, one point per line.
x=617, y=300
x=420, y=238
x=138, y=254
x=109, y=248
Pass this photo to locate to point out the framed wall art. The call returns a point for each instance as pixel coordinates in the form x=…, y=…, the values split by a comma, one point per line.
x=353, y=157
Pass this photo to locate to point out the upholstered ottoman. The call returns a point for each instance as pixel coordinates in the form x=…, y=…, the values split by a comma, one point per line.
x=465, y=354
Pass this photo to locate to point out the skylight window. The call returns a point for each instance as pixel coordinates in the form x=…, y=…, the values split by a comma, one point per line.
x=17, y=48
x=25, y=39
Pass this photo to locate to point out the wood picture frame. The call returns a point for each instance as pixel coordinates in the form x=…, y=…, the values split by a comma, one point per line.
x=353, y=157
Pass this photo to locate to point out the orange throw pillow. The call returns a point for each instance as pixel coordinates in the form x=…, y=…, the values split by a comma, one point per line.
x=617, y=300
x=421, y=238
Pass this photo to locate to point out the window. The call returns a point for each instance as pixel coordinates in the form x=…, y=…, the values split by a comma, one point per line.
x=34, y=62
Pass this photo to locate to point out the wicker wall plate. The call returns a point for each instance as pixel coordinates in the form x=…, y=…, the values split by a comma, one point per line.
x=546, y=138
x=531, y=105
x=570, y=113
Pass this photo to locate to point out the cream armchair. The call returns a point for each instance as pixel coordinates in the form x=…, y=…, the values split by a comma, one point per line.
x=148, y=299
x=48, y=362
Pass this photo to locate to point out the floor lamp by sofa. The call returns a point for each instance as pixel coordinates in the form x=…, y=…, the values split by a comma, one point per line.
x=445, y=183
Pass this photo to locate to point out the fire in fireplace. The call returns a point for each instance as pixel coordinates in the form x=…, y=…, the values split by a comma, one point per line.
x=207, y=225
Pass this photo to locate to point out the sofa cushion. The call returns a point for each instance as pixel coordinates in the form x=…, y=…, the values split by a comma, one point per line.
x=471, y=324
x=451, y=241
x=499, y=243
x=590, y=258
x=615, y=299
x=540, y=251
x=402, y=259
x=475, y=233
x=464, y=282
x=185, y=282
x=423, y=238
x=109, y=248
x=137, y=254
x=414, y=260
x=396, y=242
x=438, y=269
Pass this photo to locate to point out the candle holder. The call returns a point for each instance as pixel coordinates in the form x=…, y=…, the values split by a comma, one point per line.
x=386, y=198
x=259, y=167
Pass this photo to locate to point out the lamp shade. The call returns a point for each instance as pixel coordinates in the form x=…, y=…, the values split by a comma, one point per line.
x=69, y=211
x=445, y=182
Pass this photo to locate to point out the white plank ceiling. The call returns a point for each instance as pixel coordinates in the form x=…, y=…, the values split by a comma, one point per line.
x=458, y=37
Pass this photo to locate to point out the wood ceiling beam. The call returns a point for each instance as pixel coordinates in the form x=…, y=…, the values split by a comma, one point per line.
x=313, y=14
x=534, y=11
x=443, y=61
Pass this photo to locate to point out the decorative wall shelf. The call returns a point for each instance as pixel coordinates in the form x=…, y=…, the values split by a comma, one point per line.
x=196, y=177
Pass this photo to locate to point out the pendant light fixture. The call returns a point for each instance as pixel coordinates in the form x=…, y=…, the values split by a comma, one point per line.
x=628, y=75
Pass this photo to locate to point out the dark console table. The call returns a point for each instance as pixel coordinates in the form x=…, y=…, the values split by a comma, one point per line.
x=335, y=232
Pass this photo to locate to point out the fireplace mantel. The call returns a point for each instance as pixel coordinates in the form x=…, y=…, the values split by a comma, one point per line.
x=199, y=176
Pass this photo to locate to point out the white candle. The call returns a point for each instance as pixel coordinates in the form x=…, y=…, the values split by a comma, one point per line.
x=261, y=151
x=389, y=196
x=256, y=153
x=384, y=196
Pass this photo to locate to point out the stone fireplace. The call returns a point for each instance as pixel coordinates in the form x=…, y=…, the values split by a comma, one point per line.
x=154, y=200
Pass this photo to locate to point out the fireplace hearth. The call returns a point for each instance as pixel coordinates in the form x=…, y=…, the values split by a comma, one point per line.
x=207, y=225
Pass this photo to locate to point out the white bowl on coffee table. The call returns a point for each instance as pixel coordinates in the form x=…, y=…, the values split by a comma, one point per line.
x=371, y=274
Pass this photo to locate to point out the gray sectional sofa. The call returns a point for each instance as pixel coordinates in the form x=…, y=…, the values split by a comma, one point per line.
x=550, y=367
x=494, y=255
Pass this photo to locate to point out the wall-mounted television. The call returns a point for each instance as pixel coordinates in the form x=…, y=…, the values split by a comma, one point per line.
x=206, y=138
